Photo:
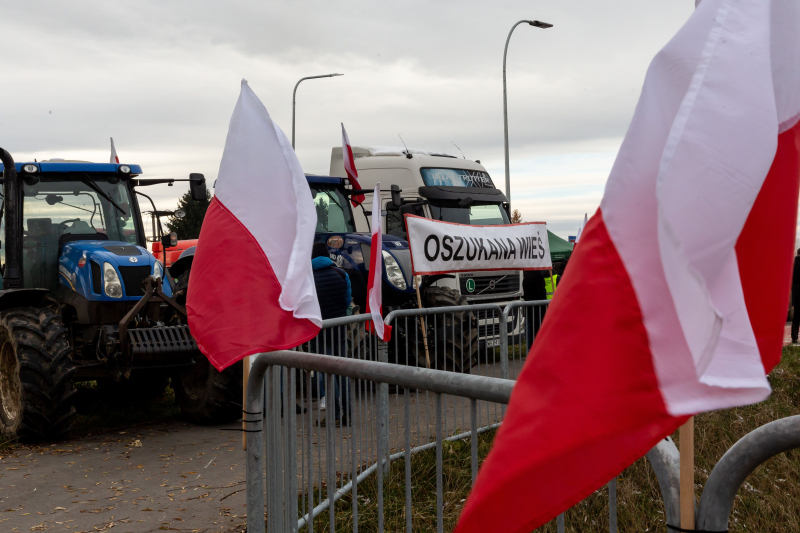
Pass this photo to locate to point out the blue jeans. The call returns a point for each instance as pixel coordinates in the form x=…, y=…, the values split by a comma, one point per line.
x=341, y=385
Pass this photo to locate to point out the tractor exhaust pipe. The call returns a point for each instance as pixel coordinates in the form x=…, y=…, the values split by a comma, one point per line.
x=12, y=209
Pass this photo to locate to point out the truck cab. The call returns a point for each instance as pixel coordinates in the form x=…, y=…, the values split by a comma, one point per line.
x=440, y=187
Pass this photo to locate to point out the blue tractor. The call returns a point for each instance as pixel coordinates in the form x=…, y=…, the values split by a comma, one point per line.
x=84, y=300
x=351, y=252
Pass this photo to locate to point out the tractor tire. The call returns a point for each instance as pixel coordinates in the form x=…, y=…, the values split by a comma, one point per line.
x=182, y=288
x=207, y=396
x=37, y=396
x=452, y=337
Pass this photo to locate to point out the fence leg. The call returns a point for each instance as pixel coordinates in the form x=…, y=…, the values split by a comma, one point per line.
x=612, y=506
x=255, y=461
x=383, y=412
x=560, y=523
x=503, y=326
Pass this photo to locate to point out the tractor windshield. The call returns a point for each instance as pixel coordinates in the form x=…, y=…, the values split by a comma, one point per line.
x=333, y=210
x=59, y=209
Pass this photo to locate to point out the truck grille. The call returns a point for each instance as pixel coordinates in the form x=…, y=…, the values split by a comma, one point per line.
x=132, y=278
x=503, y=284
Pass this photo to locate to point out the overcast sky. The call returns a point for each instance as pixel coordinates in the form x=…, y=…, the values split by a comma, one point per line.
x=162, y=78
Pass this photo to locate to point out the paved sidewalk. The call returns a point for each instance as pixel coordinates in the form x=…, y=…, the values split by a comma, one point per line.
x=175, y=477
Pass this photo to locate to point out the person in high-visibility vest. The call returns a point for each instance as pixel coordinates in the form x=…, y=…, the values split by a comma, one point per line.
x=550, y=285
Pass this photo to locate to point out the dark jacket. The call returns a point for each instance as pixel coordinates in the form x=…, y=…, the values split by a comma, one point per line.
x=533, y=286
x=333, y=288
x=796, y=282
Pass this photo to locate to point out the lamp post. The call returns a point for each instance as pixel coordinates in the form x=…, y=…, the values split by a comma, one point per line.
x=294, y=94
x=536, y=24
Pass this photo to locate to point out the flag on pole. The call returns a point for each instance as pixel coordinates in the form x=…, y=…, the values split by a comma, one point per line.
x=374, y=297
x=582, y=226
x=252, y=278
x=114, y=156
x=692, y=316
x=350, y=167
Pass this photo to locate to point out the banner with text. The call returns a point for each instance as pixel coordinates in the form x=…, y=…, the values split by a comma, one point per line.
x=440, y=247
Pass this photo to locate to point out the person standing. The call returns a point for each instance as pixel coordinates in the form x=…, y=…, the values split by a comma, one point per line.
x=334, y=295
x=796, y=297
x=533, y=289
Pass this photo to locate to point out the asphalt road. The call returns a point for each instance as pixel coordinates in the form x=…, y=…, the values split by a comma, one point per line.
x=174, y=477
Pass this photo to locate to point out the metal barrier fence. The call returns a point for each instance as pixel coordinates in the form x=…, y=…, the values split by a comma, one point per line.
x=436, y=380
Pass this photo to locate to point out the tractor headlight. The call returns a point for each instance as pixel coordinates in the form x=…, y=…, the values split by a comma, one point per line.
x=113, y=287
x=158, y=271
x=393, y=271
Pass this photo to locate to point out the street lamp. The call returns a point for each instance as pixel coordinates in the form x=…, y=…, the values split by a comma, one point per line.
x=536, y=24
x=294, y=93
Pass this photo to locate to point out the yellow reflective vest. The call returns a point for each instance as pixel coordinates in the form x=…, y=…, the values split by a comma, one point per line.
x=550, y=285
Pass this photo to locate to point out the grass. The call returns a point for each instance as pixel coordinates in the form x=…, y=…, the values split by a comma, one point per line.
x=768, y=502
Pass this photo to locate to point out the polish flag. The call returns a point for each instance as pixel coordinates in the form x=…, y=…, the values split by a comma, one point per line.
x=251, y=278
x=692, y=314
x=350, y=167
x=374, y=298
x=114, y=156
x=581, y=228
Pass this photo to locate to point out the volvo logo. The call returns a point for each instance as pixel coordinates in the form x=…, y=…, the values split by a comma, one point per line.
x=133, y=260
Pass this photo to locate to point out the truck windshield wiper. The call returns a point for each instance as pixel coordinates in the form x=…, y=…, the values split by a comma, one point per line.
x=92, y=185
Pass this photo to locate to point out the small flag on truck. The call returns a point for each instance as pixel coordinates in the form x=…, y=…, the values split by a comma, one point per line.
x=350, y=167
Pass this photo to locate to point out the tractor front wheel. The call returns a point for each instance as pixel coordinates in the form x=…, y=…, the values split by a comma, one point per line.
x=37, y=395
x=452, y=337
x=207, y=396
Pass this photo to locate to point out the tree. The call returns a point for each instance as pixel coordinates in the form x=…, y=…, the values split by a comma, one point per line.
x=516, y=216
x=188, y=227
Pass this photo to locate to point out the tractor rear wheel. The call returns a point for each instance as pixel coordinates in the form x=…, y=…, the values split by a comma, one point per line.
x=452, y=337
x=207, y=396
x=37, y=395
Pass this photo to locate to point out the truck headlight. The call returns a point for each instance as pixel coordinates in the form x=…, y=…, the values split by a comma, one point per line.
x=393, y=271
x=113, y=287
x=158, y=271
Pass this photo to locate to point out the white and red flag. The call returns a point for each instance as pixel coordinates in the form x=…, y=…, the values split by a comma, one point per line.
x=374, y=297
x=692, y=314
x=582, y=227
x=350, y=167
x=253, y=286
x=114, y=156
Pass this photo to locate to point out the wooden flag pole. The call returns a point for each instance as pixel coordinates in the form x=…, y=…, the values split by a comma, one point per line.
x=417, y=282
x=245, y=376
x=687, y=474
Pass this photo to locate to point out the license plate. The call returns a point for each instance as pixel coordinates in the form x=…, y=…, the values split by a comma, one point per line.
x=492, y=343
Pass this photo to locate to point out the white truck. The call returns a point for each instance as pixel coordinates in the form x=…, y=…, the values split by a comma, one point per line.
x=440, y=187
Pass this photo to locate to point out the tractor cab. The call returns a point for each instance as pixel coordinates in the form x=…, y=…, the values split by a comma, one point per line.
x=82, y=231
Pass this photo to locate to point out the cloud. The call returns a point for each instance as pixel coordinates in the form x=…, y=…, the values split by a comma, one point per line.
x=162, y=79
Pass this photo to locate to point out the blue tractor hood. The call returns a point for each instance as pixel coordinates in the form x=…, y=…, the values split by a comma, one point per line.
x=85, y=267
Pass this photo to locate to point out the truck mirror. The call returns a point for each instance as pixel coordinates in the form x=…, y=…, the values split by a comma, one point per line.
x=197, y=185
x=396, y=198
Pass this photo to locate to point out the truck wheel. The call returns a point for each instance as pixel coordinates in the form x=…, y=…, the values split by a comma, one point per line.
x=37, y=396
x=452, y=337
x=207, y=396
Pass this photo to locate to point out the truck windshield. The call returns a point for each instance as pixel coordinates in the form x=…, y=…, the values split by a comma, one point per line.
x=56, y=207
x=476, y=215
x=333, y=210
